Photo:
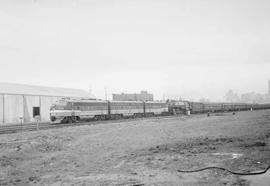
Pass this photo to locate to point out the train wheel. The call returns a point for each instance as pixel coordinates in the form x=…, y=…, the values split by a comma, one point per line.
x=118, y=116
x=69, y=120
x=64, y=120
x=97, y=118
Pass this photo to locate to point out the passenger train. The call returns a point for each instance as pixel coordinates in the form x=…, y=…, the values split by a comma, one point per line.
x=70, y=110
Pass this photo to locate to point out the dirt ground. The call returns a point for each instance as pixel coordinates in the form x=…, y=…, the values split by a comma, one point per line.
x=140, y=152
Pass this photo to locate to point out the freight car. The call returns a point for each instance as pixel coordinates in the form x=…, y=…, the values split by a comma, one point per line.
x=69, y=111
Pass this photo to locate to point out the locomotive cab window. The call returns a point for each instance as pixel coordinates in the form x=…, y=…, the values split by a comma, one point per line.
x=36, y=111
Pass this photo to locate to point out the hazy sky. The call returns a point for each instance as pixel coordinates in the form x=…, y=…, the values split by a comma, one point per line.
x=189, y=49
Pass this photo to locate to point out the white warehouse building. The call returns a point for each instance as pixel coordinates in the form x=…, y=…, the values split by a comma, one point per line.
x=19, y=101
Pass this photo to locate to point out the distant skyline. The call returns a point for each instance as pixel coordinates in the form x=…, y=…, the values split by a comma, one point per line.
x=190, y=49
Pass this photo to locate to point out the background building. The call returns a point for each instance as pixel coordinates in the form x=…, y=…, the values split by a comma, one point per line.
x=27, y=101
x=142, y=96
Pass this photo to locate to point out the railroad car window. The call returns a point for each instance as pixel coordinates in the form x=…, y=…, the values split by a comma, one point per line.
x=36, y=111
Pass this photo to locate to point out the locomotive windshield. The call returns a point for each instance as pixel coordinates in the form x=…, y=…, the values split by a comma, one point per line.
x=61, y=106
x=58, y=107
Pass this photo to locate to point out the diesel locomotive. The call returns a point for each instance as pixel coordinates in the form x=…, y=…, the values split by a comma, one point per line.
x=69, y=111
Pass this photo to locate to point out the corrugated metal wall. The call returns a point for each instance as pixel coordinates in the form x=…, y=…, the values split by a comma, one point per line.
x=1, y=109
x=12, y=107
x=29, y=103
x=46, y=103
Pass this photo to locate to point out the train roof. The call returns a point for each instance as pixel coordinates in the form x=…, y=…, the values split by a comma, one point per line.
x=155, y=102
x=126, y=101
x=223, y=103
x=87, y=101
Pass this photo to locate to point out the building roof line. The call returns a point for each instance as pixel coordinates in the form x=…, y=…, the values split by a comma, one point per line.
x=17, y=94
x=32, y=90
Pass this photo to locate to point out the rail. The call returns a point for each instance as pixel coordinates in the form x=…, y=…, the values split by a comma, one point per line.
x=8, y=129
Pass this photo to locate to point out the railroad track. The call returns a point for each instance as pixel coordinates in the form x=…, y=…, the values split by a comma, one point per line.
x=8, y=129
x=29, y=127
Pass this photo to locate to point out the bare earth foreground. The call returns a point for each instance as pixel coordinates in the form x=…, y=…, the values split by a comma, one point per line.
x=141, y=152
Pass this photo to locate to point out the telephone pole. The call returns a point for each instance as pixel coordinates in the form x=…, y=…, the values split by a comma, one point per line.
x=106, y=98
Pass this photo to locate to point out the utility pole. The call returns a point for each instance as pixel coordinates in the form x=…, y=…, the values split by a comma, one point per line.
x=106, y=93
x=90, y=90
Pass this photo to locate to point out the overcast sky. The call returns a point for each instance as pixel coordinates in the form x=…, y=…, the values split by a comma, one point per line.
x=189, y=49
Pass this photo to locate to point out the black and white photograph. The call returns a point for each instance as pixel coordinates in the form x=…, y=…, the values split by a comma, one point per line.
x=135, y=92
